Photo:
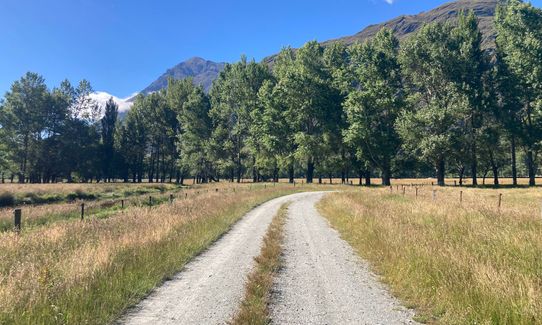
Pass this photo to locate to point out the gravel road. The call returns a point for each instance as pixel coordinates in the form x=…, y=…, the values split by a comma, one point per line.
x=323, y=281
x=209, y=289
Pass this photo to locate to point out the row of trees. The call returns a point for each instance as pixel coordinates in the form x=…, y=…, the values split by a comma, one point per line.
x=436, y=104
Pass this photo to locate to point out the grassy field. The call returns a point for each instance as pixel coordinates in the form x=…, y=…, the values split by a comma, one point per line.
x=89, y=272
x=34, y=194
x=456, y=262
x=46, y=214
x=254, y=307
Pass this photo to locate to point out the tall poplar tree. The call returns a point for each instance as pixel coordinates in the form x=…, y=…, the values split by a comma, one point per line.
x=433, y=126
x=375, y=101
x=108, y=122
x=519, y=46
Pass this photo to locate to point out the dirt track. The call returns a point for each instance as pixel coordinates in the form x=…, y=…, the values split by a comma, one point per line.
x=210, y=288
x=322, y=282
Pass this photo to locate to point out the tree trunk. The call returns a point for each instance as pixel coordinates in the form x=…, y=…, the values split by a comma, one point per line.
x=440, y=172
x=514, y=167
x=291, y=174
x=310, y=171
x=474, y=165
x=531, y=168
x=368, y=178
x=461, y=174
x=494, y=169
x=386, y=175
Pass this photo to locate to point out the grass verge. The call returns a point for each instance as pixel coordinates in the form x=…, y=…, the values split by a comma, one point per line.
x=456, y=263
x=90, y=272
x=254, y=307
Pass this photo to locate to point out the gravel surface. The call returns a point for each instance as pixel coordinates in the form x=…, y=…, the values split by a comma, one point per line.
x=323, y=281
x=211, y=287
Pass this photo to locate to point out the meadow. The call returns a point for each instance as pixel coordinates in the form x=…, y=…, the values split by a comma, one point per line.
x=90, y=271
x=453, y=254
x=456, y=257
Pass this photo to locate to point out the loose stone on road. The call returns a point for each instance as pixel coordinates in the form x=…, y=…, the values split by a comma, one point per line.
x=210, y=288
x=323, y=281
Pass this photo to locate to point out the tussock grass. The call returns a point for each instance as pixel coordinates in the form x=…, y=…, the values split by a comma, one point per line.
x=254, y=308
x=468, y=263
x=90, y=272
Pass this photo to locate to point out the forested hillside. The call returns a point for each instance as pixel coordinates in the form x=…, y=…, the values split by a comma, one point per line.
x=435, y=104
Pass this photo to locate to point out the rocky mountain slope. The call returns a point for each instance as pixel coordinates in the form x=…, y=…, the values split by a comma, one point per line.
x=202, y=71
x=406, y=25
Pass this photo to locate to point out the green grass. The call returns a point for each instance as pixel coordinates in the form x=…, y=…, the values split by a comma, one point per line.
x=254, y=307
x=100, y=209
x=38, y=194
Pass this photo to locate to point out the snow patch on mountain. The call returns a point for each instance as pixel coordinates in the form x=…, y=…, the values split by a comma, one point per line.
x=101, y=97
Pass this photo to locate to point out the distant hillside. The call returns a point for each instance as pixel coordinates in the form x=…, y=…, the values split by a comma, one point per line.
x=404, y=26
x=202, y=71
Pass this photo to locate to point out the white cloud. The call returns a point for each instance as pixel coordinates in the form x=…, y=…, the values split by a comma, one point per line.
x=101, y=97
x=390, y=1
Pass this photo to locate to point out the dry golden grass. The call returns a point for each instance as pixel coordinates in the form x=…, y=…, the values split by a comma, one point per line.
x=89, y=272
x=254, y=307
x=427, y=181
x=467, y=263
x=65, y=188
x=46, y=214
x=37, y=194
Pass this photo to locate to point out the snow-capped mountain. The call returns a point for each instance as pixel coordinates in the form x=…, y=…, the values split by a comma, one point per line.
x=101, y=97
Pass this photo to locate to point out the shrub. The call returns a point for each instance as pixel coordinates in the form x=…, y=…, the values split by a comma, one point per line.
x=81, y=195
x=7, y=199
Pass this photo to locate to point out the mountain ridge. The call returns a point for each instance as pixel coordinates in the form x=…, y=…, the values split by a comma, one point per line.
x=203, y=72
x=405, y=25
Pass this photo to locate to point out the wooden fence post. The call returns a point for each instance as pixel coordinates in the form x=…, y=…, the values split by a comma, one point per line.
x=82, y=211
x=460, y=197
x=18, y=220
x=416, y=191
x=404, y=191
x=122, y=204
x=150, y=201
x=434, y=195
x=500, y=201
x=171, y=199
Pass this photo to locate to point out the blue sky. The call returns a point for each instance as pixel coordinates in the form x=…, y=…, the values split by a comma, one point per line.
x=121, y=46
